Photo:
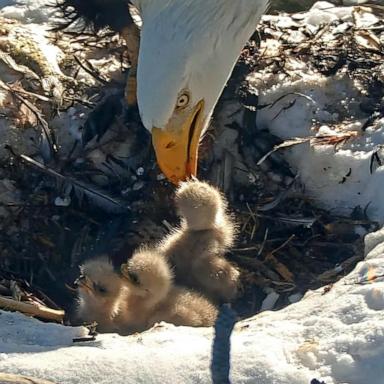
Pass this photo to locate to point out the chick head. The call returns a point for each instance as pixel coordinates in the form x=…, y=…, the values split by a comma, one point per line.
x=98, y=283
x=200, y=204
x=148, y=275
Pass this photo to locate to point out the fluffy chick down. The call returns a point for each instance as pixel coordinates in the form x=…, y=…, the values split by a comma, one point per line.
x=153, y=297
x=197, y=248
x=101, y=295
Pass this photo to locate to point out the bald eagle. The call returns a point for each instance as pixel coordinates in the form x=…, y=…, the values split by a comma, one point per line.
x=187, y=51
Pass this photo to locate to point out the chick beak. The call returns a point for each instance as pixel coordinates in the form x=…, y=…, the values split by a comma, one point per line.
x=124, y=270
x=177, y=147
x=82, y=282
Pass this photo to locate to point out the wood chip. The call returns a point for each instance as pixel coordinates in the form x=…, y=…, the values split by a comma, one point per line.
x=279, y=267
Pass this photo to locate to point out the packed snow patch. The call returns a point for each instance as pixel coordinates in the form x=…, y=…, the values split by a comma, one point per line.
x=27, y=11
x=340, y=177
x=343, y=171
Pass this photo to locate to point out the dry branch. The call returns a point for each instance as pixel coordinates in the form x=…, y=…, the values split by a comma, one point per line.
x=345, y=266
x=32, y=309
x=6, y=378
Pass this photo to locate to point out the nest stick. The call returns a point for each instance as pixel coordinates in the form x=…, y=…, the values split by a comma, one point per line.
x=7, y=378
x=30, y=309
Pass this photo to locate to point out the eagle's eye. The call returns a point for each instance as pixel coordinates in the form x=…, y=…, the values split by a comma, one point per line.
x=183, y=100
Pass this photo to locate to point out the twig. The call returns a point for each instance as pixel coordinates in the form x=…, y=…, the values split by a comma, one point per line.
x=23, y=92
x=283, y=245
x=256, y=248
x=252, y=213
x=264, y=242
x=90, y=71
x=32, y=309
x=331, y=275
x=47, y=299
x=271, y=105
x=51, y=172
x=8, y=378
x=280, y=197
x=47, y=131
x=285, y=144
x=314, y=140
x=83, y=339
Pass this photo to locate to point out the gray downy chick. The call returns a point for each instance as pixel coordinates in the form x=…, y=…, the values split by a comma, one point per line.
x=197, y=248
x=101, y=295
x=153, y=297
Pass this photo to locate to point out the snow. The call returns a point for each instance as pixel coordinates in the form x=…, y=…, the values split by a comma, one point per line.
x=335, y=337
x=28, y=11
x=339, y=178
x=307, y=104
x=323, y=13
x=372, y=240
x=18, y=332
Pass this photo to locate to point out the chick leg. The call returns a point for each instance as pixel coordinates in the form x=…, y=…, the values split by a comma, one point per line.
x=217, y=278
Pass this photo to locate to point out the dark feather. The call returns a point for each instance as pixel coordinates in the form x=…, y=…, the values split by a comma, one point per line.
x=94, y=14
x=101, y=118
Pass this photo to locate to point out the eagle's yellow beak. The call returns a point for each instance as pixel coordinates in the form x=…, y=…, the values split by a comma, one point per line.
x=177, y=145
